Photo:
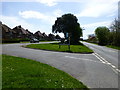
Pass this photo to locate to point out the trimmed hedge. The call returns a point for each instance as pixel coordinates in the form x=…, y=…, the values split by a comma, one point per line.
x=15, y=40
x=10, y=41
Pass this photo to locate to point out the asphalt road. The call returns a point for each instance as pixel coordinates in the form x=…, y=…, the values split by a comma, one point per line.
x=108, y=54
x=88, y=68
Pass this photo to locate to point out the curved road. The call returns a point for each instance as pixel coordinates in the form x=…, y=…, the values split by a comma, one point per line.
x=88, y=68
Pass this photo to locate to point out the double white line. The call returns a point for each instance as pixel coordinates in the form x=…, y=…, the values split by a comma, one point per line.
x=106, y=62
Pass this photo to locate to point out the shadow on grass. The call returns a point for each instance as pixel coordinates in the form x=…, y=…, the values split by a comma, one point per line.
x=66, y=43
x=69, y=51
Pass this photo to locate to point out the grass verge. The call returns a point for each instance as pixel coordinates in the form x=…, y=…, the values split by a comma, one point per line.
x=114, y=47
x=63, y=48
x=25, y=73
x=110, y=46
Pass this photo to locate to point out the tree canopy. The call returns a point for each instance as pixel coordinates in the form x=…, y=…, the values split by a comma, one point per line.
x=68, y=23
x=102, y=35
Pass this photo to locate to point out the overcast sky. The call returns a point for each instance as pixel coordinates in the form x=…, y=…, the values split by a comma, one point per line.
x=41, y=14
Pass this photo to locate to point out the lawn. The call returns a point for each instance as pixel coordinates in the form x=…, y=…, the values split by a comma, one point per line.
x=63, y=48
x=25, y=73
x=114, y=47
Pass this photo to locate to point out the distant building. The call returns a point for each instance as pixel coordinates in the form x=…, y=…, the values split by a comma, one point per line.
x=7, y=32
x=22, y=33
x=91, y=36
x=51, y=36
x=38, y=35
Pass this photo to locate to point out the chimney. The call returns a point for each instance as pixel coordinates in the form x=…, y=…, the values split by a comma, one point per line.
x=19, y=26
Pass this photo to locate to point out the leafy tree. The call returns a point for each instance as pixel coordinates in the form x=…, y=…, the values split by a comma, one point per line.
x=68, y=24
x=102, y=35
x=115, y=33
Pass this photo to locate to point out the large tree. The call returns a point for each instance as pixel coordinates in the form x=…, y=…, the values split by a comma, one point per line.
x=68, y=23
x=114, y=37
x=102, y=35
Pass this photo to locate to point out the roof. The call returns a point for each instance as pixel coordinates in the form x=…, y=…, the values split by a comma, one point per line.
x=39, y=33
x=6, y=28
x=17, y=28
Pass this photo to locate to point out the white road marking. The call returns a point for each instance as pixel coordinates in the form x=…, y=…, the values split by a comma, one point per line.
x=114, y=68
x=82, y=59
x=98, y=58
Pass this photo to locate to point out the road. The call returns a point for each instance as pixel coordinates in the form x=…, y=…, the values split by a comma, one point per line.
x=109, y=55
x=87, y=68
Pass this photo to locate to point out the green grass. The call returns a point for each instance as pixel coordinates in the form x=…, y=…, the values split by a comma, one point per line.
x=110, y=46
x=114, y=47
x=25, y=73
x=63, y=48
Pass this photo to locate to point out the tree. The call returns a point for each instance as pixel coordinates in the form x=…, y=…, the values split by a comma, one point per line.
x=115, y=33
x=102, y=35
x=68, y=23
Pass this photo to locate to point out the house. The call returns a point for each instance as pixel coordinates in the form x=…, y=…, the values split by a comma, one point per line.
x=57, y=37
x=7, y=32
x=22, y=33
x=51, y=37
x=38, y=35
x=45, y=36
x=29, y=34
x=92, y=38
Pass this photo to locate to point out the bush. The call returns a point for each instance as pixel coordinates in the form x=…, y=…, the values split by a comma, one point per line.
x=10, y=41
x=24, y=39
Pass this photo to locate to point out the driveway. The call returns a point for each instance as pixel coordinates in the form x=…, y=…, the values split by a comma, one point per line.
x=85, y=67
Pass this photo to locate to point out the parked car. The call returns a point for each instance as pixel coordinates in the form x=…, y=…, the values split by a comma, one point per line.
x=34, y=40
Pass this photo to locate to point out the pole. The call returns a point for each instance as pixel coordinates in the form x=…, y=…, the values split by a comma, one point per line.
x=69, y=43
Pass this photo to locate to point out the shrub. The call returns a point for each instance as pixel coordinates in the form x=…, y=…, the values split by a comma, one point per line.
x=10, y=41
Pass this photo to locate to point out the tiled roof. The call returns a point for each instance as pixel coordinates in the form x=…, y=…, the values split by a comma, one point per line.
x=6, y=28
x=39, y=33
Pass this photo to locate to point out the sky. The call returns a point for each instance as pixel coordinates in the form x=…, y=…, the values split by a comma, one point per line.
x=40, y=15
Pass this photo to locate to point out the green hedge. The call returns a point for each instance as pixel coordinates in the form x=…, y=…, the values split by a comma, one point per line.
x=10, y=41
x=15, y=40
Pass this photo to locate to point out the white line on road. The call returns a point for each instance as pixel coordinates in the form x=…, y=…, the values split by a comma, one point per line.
x=106, y=62
x=82, y=59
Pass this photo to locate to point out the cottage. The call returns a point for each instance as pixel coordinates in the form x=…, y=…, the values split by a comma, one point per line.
x=38, y=35
x=7, y=32
x=22, y=33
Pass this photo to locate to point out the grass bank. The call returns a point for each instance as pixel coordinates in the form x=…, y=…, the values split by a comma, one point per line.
x=114, y=47
x=110, y=46
x=63, y=48
x=25, y=73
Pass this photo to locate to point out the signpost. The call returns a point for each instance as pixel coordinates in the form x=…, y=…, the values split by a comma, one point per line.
x=68, y=37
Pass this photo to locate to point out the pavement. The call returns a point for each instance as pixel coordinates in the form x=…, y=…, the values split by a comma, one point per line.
x=96, y=70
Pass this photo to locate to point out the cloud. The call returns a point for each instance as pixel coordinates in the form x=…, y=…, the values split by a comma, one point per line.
x=97, y=24
x=32, y=14
x=97, y=8
x=15, y=21
x=48, y=2
x=58, y=13
x=49, y=18
x=90, y=28
x=91, y=8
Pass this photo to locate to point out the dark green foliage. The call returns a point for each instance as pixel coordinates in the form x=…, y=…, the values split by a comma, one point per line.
x=114, y=35
x=15, y=40
x=102, y=35
x=68, y=24
x=10, y=41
